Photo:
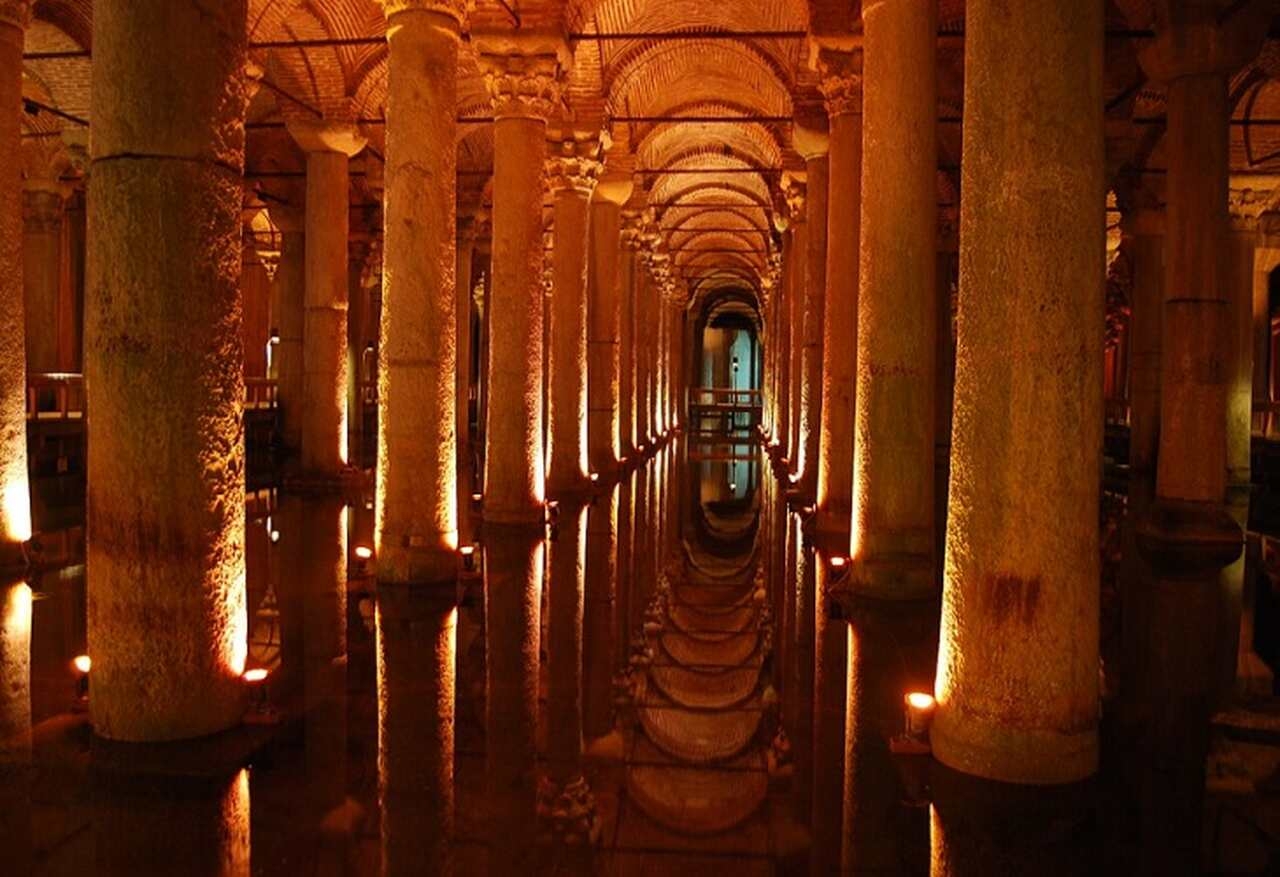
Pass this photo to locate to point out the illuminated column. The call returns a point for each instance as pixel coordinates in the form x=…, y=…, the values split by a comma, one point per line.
x=1018, y=663
x=291, y=291
x=525, y=90
x=797, y=286
x=462, y=329
x=891, y=539
x=643, y=302
x=600, y=647
x=15, y=503
x=164, y=367
x=16, y=774
x=42, y=270
x=417, y=519
x=660, y=372
x=782, y=341
x=329, y=146
x=842, y=89
x=628, y=288
x=572, y=174
x=417, y=462
x=812, y=145
x=605, y=312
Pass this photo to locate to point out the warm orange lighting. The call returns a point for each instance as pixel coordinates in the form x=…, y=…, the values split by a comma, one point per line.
x=363, y=552
x=476, y=497
x=82, y=664
x=15, y=507
x=594, y=476
x=839, y=562
x=256, y=675
x=920, y=701
x=467, y=550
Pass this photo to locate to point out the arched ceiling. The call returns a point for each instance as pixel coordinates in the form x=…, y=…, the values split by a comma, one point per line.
x=697, y=96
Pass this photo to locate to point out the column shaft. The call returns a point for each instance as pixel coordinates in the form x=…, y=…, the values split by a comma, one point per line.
x=604, y=366
x=1018, y=664
x=891, y=539
x=513, y=484
x=627, y=287
x=797, y=289
x=840, y=309
x=42, y=276
x=164, y=367
x=291, y=285
x=814, y=295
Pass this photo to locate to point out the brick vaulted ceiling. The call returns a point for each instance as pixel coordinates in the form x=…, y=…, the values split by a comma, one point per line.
x=701, y=121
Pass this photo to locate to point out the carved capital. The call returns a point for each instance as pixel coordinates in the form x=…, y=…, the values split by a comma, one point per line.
x=458, y=10
x=632, y=227
x=793, y=191
x=524, y=86
x=572, y=165
x=15, y=13
x=841, y=84
x=325, y=135
x=1246, y=205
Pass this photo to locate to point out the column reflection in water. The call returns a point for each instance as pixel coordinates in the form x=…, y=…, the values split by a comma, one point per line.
x=802, y=684
x=15, y=727
x=417, y=640
x=601, y=645
x=626, y=570
x=513, y=572
x=197, y=827
x=892, y=648
x=980, y=828
x=566, y=804
x=830, y=638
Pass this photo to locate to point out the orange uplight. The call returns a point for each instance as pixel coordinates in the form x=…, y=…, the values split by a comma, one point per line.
x=594, y=476
x=364, y=552
x=920, y=701
x=255, y=675
x=839, y=562
x=476, y=497
x=82, y=664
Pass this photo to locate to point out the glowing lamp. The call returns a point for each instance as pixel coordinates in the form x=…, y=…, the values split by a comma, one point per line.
x=919, y=713
x=275, y=336
x=594, y=476
x=733, y=487
x=839, y=563
x=363, y=552
x=275, y=536
x=255, y=675
x=468, y=554
x=477, y=497
x=553, y=510
x=255, y=679
x=82, y=664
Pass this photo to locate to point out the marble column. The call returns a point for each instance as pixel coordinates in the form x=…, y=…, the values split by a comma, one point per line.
x=290, y=294
x=328, y=146
x=644, y=294
x=891, y=539
x=462, y=329
x=782, y=343
x=797, y=294
x=573, y=169
x=842, y=89
x=525, y=90
x=43, y=202
x=164, y=368
x=812, y=146
x=830, y=649
x=604, y=443
x=602, y=649
x=416, y=531
x=1145, y=228
x=15, y=502
x=628, y=287
x=1017, y=680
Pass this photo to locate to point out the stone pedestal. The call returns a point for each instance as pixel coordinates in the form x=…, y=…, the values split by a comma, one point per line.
x=164, y=369
x=1017, y=680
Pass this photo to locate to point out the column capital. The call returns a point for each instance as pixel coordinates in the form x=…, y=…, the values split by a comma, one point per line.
x=1193, y=42
x=326, y=135
x=793, y=191
x=524, y=86
x=616, y=188
x=15, y=13
x=632, y=227
x=841, y=84
x=573, y=165
x=810, y=142
x=458, y=10
x=1247, y=204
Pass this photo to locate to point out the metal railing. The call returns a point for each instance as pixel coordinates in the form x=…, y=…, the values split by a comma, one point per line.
x=259, y=394
x=726, y=397
x=61, y=395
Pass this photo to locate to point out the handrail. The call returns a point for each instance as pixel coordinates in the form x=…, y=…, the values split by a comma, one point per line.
x=703, y=396
x=61, y=395
x=260, y=394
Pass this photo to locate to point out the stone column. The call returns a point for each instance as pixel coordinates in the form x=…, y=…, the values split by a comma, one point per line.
x=797, y=294
x=830, y=648
x=782, y=342
x=15, y=502
x=1189, y=536
x=644, y=293
x=812, y=145
x=328, y=145
x=525, y=90
x=1017, y=680
x=605, y=316
x=16, y=774
x=361, y=249
x=842, y=89
x=572, y=170
x=42, y=271
x=1145, y=228
x=416, y=531
x=291, y=290
x=891, y=539
x=462, y=329
x=164, y=367
x=629, y=286
x=658, y=358
x=601, y=647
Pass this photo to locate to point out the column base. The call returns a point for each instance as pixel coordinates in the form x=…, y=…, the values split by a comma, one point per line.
x=893, y=577
x=996, y=751
x=1188, y=539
